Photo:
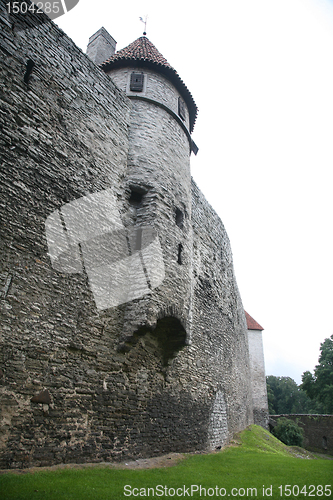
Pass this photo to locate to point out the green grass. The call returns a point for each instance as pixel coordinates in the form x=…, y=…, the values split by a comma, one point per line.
x=255, y=459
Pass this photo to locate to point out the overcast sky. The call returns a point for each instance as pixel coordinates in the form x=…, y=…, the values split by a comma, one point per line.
x=261, y=74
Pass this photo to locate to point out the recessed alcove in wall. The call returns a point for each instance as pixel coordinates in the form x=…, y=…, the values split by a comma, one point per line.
x=137, y=194
x=167, y=338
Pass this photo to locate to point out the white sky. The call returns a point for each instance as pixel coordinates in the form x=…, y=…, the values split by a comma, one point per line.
x=261, y=73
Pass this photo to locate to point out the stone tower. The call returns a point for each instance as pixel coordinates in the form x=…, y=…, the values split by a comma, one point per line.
x=158, y=179
x=123, y=333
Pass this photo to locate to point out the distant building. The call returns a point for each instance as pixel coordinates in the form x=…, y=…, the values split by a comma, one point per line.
x=258, y=377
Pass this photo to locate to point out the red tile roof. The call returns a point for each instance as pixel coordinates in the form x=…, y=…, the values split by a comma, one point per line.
x=141, y=49
x=251, y=323
x=142, y=52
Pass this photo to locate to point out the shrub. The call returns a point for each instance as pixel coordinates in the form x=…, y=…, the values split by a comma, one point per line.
x=288, y=432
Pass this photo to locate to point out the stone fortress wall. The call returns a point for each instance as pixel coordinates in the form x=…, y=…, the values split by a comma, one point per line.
x=166, y=371
x=317, y=430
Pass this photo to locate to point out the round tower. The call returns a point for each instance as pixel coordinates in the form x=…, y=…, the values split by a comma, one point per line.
x=158, y=179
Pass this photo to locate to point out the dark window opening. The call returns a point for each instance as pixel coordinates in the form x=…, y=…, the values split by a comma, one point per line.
x=179, y=218
x=181, y=108
x=136, y=198
x=180, y=254
x=324, y=443
x=136, y=82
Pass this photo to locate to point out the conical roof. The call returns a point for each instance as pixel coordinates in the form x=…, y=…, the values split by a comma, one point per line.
x=141, y=49
x=143, y=53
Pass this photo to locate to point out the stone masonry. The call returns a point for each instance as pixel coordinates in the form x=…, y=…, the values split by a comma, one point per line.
x=165, y=366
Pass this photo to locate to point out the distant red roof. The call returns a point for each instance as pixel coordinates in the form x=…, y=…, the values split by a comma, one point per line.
x=251, y=323
x=142, y=52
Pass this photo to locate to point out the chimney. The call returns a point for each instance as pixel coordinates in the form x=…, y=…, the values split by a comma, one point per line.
x=101, y=46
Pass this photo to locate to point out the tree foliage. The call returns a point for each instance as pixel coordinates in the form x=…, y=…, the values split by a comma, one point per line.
x=319, y=386
x=285, y=397
x=288, y=432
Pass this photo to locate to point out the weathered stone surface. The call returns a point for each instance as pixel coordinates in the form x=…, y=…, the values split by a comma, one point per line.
x=43, y=397
x=167, y=371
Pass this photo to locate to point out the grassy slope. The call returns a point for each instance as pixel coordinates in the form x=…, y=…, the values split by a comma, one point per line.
x=253, y=460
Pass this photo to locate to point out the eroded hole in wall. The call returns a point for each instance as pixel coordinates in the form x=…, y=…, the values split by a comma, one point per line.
x=169, y=336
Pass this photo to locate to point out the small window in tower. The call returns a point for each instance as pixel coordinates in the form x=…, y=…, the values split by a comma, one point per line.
x=181, y=108
x=180, y=254
x=179, y=218
x=136, y=82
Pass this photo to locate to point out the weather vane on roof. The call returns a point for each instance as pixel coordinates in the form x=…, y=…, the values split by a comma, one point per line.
x=144, y=21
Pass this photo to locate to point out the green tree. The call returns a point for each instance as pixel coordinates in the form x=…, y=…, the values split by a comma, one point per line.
x=286, y=397
x=288, y=432
x=319, y=386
